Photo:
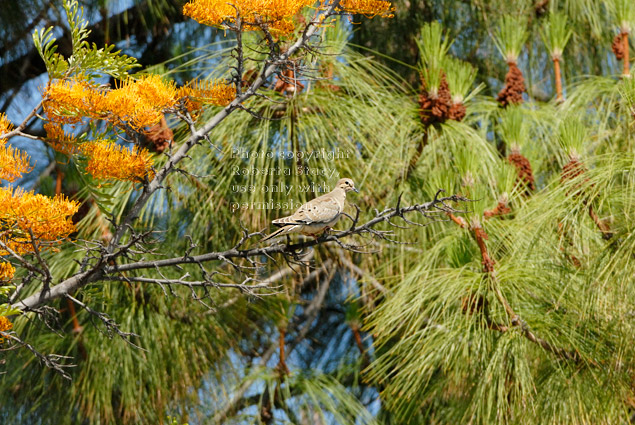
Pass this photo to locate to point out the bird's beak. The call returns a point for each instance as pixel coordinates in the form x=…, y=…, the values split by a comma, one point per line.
x=356, y=190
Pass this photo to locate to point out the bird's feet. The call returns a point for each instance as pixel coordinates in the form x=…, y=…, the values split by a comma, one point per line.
x=325, y=234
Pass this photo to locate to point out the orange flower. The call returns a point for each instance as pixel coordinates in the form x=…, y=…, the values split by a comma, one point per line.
x=107, y=160
x=6, y=271
x=138, y=103
x=5, y=325
x=199, y=92
x=59, y=140
x=275, y=13
x=48, y=218
x=13, y=163
x=5, y=125
x=368, y=8
x=69, y=101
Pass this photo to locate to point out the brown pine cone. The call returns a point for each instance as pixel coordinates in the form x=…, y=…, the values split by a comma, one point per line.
x=457, y=111
x=512, y=93
x=473, y=303
x=523, y=168
x=435, y=109
x=501, y=208
x=571, y=170
x=618, y=47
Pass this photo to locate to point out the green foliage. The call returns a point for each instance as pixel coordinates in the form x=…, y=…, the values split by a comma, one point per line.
x=85, y=59
x=624, y=14
x=5, y=308
x=433, y=45
x=556, y=33
x=461, y=76
x=510, y=36
x=441, y=343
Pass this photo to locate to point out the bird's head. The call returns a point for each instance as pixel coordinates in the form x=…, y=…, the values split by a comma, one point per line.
x=347, y=185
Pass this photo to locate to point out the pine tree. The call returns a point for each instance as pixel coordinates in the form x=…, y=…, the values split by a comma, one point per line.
x=515, y=307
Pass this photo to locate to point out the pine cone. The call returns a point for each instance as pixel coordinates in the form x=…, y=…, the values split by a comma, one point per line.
x=473, y=303
x=571, y=170
x=512, y=93
x=523, y=168
x=457, y=111
x=437, y=109
x=618, y=47
x=501, y=208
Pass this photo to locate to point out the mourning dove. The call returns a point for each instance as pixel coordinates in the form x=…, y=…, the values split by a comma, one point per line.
x=316, y=215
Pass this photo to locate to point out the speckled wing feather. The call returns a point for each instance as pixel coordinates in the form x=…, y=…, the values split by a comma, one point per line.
x=322, y=209
x=312, y=217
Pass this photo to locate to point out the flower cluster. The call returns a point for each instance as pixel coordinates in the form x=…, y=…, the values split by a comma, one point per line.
x=368, y=8
x=69, y=101
x=107, y=160
x=6, y=271
x=197, y=93
x=59, y=140
x=49, y=219
x=139, y=103
x=276, y=15
x=5, y=325
x=136, y=103
x=13, y=162
x=5, y=124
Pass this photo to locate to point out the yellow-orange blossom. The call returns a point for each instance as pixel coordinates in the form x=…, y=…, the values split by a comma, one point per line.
x=276, y=14
x=136, y=103
x=5, y=325
x=6, y=271
x=23, y=212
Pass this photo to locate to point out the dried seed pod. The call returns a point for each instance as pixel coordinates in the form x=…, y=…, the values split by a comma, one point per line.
x=618, y=47
x=158, y=137
x=287, y=83
x=524, y=170
x=512, y=93
x=249, y=77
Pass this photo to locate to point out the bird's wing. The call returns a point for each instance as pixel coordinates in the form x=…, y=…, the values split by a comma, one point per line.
x=322, y=209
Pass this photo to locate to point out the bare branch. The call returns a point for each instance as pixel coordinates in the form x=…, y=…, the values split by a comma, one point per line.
x=51, y=361
x=111, y=325
x=103, y=269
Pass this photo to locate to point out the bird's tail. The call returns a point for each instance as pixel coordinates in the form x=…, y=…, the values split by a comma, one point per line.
x=282, y=231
